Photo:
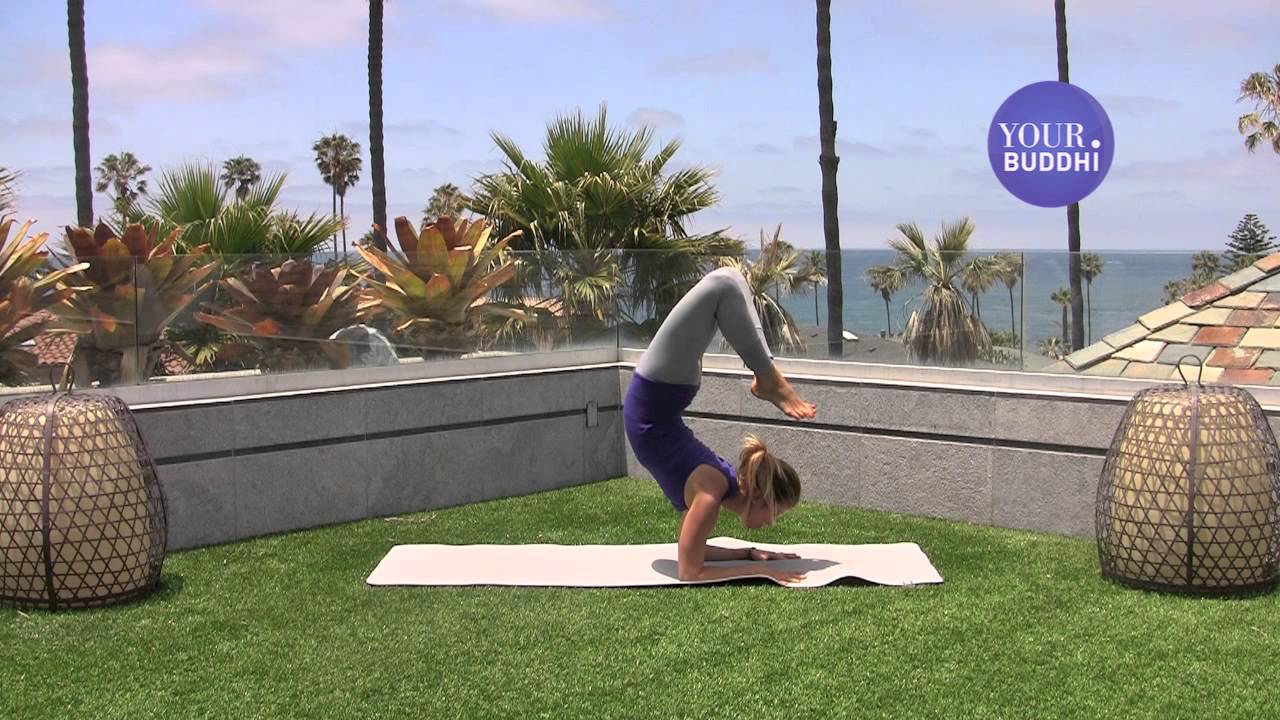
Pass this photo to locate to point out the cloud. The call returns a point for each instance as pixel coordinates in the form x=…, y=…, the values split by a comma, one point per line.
x=723, y=62
x=767, y=149
x=296, y=23
x=655, y=117
x=810, y=143
x=421, y=127
x=1138, y=105
x=920, y=133
x=57, y=127
x=122, y=74
x=547, y=10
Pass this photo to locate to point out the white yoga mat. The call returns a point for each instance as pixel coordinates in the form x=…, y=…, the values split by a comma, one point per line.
x=636, y=565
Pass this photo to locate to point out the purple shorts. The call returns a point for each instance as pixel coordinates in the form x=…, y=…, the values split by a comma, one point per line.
x=663, y=444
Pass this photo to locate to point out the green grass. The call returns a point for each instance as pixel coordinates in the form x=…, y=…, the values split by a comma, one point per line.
x=284, y=626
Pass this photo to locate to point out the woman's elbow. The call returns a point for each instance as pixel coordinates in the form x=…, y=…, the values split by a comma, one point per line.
x=688, y=573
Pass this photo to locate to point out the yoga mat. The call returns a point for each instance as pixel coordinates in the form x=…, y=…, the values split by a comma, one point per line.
x=636, y=565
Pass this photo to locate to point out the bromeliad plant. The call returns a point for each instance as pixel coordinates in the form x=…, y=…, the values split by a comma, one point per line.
x=26, y=298
x=134, y=288
x=434, y=288
x=286, y=314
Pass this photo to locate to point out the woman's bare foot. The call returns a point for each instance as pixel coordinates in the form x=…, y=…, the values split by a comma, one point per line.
x=778, y=391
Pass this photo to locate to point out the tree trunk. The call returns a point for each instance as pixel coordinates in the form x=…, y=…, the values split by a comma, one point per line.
x=80, y=112
x=1088, y=297
x=1073, y=210
x=816, y=320
x=1065, y=327
x=375, y=124
x=335, y=217
x=342, y=208
x=888, y=319
x=1013, y=327
x=829, y=162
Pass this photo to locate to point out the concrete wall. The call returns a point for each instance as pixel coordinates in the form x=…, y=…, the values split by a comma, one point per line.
x=1009, y=459
x=236, y=468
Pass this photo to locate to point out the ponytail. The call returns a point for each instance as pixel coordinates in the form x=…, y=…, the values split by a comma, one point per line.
x=761, y=474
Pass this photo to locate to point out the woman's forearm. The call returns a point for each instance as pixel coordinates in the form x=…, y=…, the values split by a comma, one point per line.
x=719, y=553
x=721, y=572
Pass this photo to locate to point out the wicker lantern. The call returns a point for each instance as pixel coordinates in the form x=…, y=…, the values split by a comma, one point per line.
x=82, y=515
x=1189, y=498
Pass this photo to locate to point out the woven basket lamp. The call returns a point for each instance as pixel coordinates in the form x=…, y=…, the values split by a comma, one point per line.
x=82, y=515
x=1189, y=498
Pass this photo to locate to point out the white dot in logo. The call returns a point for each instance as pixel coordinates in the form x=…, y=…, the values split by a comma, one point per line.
x=1096, y=144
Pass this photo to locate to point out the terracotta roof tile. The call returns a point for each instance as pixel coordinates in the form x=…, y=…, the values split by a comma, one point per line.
x=1206, y=294
x=1270, y=301
x=1218, y=335
x=1268, y=338
x=1125, y=337
x=1088, y=355
x=1179, y=333
x=1253, y=318
x=1268, y=264
x=1107, y=368
x=1165, y=316
x=1142, y=351
x=1269, y=284
x=1225, y=357
x=1148, y=371
x=1173, y=353
x=1252, y=376
x=1242, y=278
x=1209, y=316
x=1247, y=300
x=1269, y=358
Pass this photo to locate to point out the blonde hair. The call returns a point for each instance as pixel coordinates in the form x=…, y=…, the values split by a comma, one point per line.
x=760, y=474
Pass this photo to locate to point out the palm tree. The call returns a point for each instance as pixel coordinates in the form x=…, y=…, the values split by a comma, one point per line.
x=942, y=330
x=8, y=179
x=241, y=173
x=777, y=267
x=446, y=199
x=338, y=160
x=1009, y=271
x=1073, y=210
x=80, y=112
x=828, y=161
x=1090, y=268
x=886, y=280
x=977, y=277
x=599, y=191
x=122, y=176
x=814, y=272
x=1052, y=346
x=1263, y=124
x=1062, y=296
x=376, y=163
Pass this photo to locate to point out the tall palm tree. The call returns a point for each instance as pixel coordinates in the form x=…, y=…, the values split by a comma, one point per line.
x=830, y=198
x=1263, y=124
x=942, y=330
x=814, y=272
x=1062, y=297
x=777, y=268
x=886, y=280
x=1090, y=268
x=376, y=164
x=122, y=176
x=7, y=180
x=1073, y=210
x=598, y=191
x=241, y=173
x=977, y=277
x=338, y=160
x=446, y=199
x=1009, y=271
x=80, y=112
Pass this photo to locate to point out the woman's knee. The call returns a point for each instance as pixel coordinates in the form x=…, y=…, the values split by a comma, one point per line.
x=727, y=279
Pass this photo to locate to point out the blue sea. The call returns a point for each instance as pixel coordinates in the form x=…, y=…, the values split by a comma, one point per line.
x=1130, y=284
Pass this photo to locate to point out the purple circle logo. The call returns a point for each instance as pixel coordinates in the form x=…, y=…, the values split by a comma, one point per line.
x=1051, y=144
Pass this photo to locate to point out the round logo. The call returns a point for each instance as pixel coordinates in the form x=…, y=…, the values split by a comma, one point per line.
x=1051, y=144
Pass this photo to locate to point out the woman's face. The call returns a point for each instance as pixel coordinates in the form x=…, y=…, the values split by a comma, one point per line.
x=757, y=514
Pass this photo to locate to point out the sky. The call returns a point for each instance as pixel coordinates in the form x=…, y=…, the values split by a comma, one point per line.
x=916, y=83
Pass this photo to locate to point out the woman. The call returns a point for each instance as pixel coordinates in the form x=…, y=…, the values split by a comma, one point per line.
x=697, y=481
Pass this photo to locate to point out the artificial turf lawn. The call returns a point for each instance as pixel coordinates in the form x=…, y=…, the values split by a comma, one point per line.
x=284, y=627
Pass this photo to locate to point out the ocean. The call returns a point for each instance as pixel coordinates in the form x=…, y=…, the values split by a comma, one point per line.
x=1130, y=285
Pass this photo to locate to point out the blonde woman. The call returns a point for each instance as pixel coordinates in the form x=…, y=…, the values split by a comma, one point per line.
x=760, y=487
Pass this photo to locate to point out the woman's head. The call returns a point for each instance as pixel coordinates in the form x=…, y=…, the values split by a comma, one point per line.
x=769, y=484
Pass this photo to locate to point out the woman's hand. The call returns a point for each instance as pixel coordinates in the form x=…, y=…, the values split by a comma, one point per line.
x=786, y=577
x=765, y=555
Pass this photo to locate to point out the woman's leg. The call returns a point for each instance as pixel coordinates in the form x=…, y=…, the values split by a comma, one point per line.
x=721, y=300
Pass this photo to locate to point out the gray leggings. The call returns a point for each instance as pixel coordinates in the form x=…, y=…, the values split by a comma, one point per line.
x=721, y=300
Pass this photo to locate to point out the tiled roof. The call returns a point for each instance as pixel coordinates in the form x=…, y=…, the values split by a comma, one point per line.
x=1232, y=325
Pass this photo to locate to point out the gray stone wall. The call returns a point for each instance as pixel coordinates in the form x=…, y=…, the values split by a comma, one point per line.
x=238, y=468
